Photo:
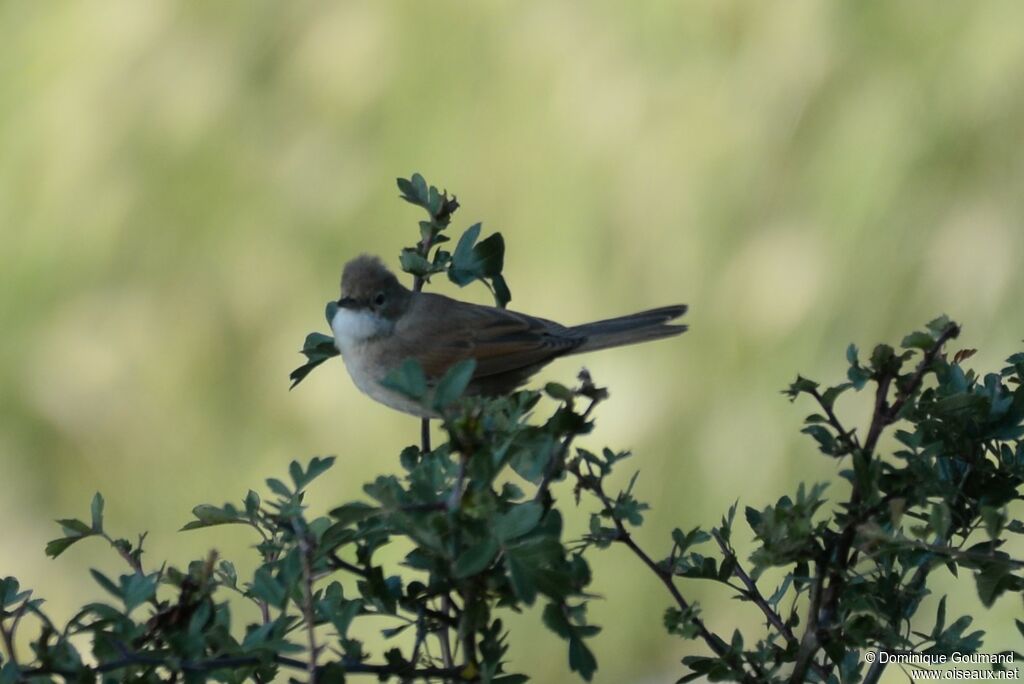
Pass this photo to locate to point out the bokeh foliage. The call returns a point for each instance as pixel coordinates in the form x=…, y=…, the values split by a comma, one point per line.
x=176, y=180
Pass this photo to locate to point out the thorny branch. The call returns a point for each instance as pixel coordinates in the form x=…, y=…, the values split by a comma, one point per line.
x=836, y=557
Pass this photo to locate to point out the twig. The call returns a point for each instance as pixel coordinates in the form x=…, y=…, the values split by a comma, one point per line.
x=338, y=564
x=754, y=595
x=465, y=632
x=558, y=459
x=820, y=615
x=714, y=642
x=420, y=637
x=8, y=634
x=442, y=634
x=833, y=420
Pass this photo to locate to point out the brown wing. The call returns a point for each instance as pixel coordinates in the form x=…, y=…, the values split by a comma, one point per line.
x=502, y=342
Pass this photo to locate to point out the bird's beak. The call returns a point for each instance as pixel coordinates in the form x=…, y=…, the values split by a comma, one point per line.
x=346, y=303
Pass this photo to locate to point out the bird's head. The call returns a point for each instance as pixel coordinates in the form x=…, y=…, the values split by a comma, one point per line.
x=371, y=300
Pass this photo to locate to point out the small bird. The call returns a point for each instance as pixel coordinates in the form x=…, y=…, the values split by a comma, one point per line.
x=380, y=323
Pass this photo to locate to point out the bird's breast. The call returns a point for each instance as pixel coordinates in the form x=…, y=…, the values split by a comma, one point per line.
x=367, y=365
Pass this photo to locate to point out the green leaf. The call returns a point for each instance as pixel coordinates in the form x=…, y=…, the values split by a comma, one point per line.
x=55, y=547
x=753, y=517
x=918, y=340
x=489, y=256
x=9, y=592
x=75, y=530
x=407, y=379
x=559, y=392
x=521, y=577
x=73, y=526
x=317, y=466
x=353, y=512
x=938, y=326
x=10, y=674
x=208, y=516
x=317, y=348
x=502, y=295
x=555, y=619
x=105, y=582
x=97, y=513
x=476, y=558
x=279, y=488
x=992, y=581
x=343, y=617
x=940, y=618
x=994, y=519
x=823, y=436
x=518, y=520
x=330, y=310
x=581, y=659
x=829, y=396
x=940, y=519
x=419, y=184
x=407, y=190
x=252, y=503
x=461, y=271
x=415, y=263
x=267, y=588
x=454, y=383
x=136, y=589
x=851, y=355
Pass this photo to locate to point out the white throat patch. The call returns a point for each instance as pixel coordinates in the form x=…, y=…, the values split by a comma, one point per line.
x=355, y=327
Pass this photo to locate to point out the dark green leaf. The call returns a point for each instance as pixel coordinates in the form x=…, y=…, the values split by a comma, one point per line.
x=407, y=379
x=279, y=487
x=415, y=263
x=476, y=558
x=918, y=340
x=56, y=547
x=75, y=526
x=502, y=295
x=353, y=512
x=97, y=512
x=105, y=582
x=559, y=392
x=581, y=659
x=518, y=520
x=462, y=271
x=317, y=349
x=454, y=383
x=252, y=503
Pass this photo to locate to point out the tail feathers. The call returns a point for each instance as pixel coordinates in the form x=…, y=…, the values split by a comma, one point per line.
x=631, y=329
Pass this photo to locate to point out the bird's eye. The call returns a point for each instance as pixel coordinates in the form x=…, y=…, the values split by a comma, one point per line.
x=378, y=299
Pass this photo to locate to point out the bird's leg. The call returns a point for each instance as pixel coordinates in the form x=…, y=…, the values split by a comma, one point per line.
x=425, y=435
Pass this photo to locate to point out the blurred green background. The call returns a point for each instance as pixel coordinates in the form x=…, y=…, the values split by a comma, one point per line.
x=180, y=184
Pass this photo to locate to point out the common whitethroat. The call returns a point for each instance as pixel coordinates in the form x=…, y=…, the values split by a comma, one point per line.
x=380, y=323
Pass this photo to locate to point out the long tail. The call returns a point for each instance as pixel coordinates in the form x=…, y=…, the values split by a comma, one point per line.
x=638, y=327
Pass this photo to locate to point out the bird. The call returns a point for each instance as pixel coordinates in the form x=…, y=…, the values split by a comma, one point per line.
x=379, y=323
